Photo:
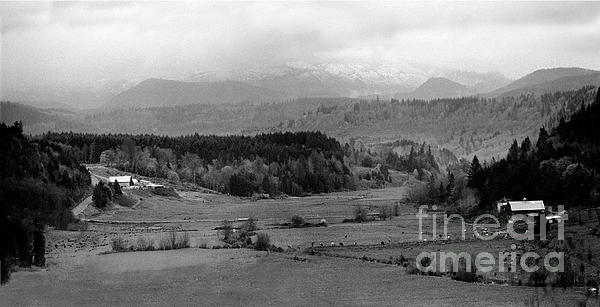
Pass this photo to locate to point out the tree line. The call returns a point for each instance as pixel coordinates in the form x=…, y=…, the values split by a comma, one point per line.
x=273, y=163
x=41, y=180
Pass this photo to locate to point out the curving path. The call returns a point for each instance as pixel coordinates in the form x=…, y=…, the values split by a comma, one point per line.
x=86, y=202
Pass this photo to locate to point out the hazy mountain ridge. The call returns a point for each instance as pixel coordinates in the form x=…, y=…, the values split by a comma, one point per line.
x=548, y=80
x=437, y=88
x=351, y=80
x=160, y=92
x=38, y=120
x=296, y=80
x=478, y=82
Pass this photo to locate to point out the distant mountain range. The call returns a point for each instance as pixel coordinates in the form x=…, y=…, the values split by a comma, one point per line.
x=299, y=80
x=333, y=80
x=351, y=80
x=538, y=82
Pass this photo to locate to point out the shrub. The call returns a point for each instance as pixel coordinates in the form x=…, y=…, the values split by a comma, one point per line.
x=360, y=214
x=169, y=241
x=297, y=221
x=226, y=230
x=173, y=177
x=183, y=241
x=384, y=211
x=463, y=275
x=262, y=242
x=249, y=225
x=144, y=244
x=425, y=262
x=174, y=241
x=566, y=278
x=400, y=260
x=118, y=244
x=164, y=191
x=538, y=278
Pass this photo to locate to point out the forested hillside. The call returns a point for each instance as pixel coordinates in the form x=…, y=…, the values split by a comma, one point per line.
x=467, y=126
x=40, y=182
x=562, y=167
x=178, y=120
x=36, y=120
x=292, y=163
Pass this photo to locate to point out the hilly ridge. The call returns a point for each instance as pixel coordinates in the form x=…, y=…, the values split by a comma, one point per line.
x=160, y=92
x=437, y=88
x=549, y=80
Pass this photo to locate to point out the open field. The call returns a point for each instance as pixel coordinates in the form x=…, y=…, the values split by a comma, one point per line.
x=80, y=272
x=235, y=277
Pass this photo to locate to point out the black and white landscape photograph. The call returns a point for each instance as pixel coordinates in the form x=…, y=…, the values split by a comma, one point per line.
x=328, y=153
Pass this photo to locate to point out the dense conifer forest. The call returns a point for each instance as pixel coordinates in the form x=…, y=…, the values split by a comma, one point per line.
x=41, y=180
x=561, y=167
x=291, y=163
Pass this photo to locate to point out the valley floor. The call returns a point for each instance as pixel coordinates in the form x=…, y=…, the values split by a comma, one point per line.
x=79, y=272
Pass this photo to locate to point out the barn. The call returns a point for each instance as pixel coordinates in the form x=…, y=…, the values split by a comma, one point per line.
x=124, y=181
x=527, y=207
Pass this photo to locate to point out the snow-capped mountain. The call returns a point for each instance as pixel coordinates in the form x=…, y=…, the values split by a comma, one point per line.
x=298, y=79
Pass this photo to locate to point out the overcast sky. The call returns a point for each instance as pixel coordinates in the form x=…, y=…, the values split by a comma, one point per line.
x=84, y=44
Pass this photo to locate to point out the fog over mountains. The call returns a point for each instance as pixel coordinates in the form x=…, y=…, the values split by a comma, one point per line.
x=352, y=80
x=300, y=80
x=297, y=80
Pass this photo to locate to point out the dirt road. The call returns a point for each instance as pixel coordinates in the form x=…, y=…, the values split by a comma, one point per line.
x=86, y=202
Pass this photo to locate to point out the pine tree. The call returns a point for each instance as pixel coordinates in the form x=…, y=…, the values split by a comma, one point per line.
x=513, y=152
x=474, y=174
x=451, y=185
x=39, y=246
x=411, y=159
x=442, y=192
x=117, y=188
x=101, y=195
x=525, y=148
x=542, y=138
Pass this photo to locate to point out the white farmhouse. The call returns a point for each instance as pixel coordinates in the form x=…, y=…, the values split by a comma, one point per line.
x=124, y=181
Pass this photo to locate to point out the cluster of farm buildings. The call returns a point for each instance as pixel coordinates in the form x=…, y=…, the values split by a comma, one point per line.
x=130, y=182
